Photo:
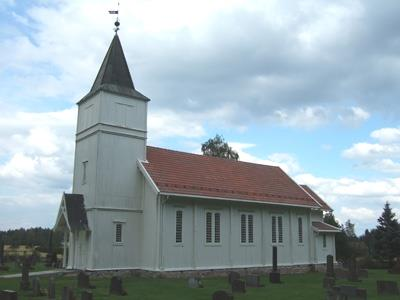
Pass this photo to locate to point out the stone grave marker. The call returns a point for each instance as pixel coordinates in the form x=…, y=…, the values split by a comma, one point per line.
x=238, y=286
x=8, y=295
x=67, y=294
x=329, y=279
x=51, y=289
x=396, y=268
x=387, y=287
x=25, y=284
x=329, y=282
x=253, y=281
x=353, y=273
x=84, y=281
x=222, y=295
x=195, y=282
x=87, y=295
x=233, y=276
x=341, y=273
x=116, y=286
x=275, y=276
x=36, y=290
x=346, y=292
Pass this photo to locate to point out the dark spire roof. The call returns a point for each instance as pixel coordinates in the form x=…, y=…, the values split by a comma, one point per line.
x=114, y=75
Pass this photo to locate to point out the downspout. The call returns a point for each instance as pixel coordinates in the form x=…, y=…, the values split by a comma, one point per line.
x=163, y=200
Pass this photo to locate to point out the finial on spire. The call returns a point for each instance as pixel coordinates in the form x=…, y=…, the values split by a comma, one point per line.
x=117, y=23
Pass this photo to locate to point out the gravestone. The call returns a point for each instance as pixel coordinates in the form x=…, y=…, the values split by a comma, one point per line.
x=387, y=287
x=253, y=281
x=222, y=295
x=330, y=272
x=238, y=286
x=116, y=286
x=51, y=289
x=36, y=291
x=233, y=276
x=329, y=282
x=396, y=267
x=353, y=274
x=195, y=282
x=87, y=295
x=67, y=294
x=275, y=276
x=25, y=284
x=341, y=273
x=84, y=281
x=8, y=295
x=347, y=292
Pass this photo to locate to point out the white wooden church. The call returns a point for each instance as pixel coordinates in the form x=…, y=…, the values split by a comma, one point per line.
x=134, y=206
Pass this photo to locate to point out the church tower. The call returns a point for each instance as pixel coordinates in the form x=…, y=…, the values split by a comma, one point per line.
x=110, y=138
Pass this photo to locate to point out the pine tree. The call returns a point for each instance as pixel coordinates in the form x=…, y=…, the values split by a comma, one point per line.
x=388, y=235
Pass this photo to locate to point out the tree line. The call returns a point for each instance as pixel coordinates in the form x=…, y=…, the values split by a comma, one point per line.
x=37, y=236
x=379, y=246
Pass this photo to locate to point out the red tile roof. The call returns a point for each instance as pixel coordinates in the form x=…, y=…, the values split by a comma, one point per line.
x=317, y=198
x=324, y=227
x=183, y=173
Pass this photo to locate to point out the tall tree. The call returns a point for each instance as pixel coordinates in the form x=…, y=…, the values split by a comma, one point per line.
x=349, y=229
x=387, y=235
x=217, y=147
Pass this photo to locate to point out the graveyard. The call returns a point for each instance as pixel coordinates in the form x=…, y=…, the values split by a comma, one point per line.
x=293, y=286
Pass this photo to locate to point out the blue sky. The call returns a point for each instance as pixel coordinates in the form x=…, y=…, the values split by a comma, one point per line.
x=309, y=85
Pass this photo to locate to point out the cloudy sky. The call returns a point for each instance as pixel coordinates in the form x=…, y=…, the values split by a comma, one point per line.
x=311, y=86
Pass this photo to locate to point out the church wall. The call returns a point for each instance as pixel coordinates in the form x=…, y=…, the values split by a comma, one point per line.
x=107, y=252
x=195, y=253
x=321, y=251
x=150, y=225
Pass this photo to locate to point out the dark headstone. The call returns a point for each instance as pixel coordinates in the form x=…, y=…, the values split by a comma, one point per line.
x=387, y=287
x=275, y=276
x=329, y=282
x=36, y=291
x=8, y=295
x=51, y=289
x=116, y=286
x=347, y=292
x=274, y=258
x=353, y=273
x=329, y=266
x=233, y=276
x=222, y=295
x=253, y=281
x=195, y=282
x=67, y=294
x=2, y=261
x=341, y=273
x=396, y=267
x=84, y=281
x=25, y=284
x=238, y=286
x=87, y=295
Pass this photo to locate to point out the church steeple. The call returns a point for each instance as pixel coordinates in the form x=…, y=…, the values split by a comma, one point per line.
x=114, y=75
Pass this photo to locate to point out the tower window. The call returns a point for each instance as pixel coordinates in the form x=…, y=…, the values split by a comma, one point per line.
x=324, y=240
x=300, y=225
x=84, y=171
x=118, y=232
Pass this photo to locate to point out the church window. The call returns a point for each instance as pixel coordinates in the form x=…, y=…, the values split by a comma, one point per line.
x=277, y=229
x=213, y=227
x=118, y=232
x=300, y=228
x=84, y=171
x=324, y=240
x=246, y=228
x=178, y=226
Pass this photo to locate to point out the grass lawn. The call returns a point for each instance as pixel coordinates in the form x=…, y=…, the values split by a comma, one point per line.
x=13, y=268
x=305, y=286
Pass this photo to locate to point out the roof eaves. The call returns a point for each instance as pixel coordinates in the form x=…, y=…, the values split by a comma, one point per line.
x=147, y=175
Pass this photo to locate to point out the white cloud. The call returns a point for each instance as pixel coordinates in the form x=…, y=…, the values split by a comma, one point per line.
x=307, y=117
x=353, y=116
x=387, y=135
x=368, y=150
x=359, y=214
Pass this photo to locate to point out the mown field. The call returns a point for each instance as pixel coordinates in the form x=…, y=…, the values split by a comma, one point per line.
x=305, y=286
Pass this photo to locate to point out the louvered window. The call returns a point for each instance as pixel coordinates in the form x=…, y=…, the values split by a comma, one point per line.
x=246, y=229
x=324, y=240
x=243, y=228
x=277, y=229
x=300, y=225
x=118, y=233
x=213, y=227
x=178, y=226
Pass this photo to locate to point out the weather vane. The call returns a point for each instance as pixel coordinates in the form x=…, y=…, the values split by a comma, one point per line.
x=115, y=12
